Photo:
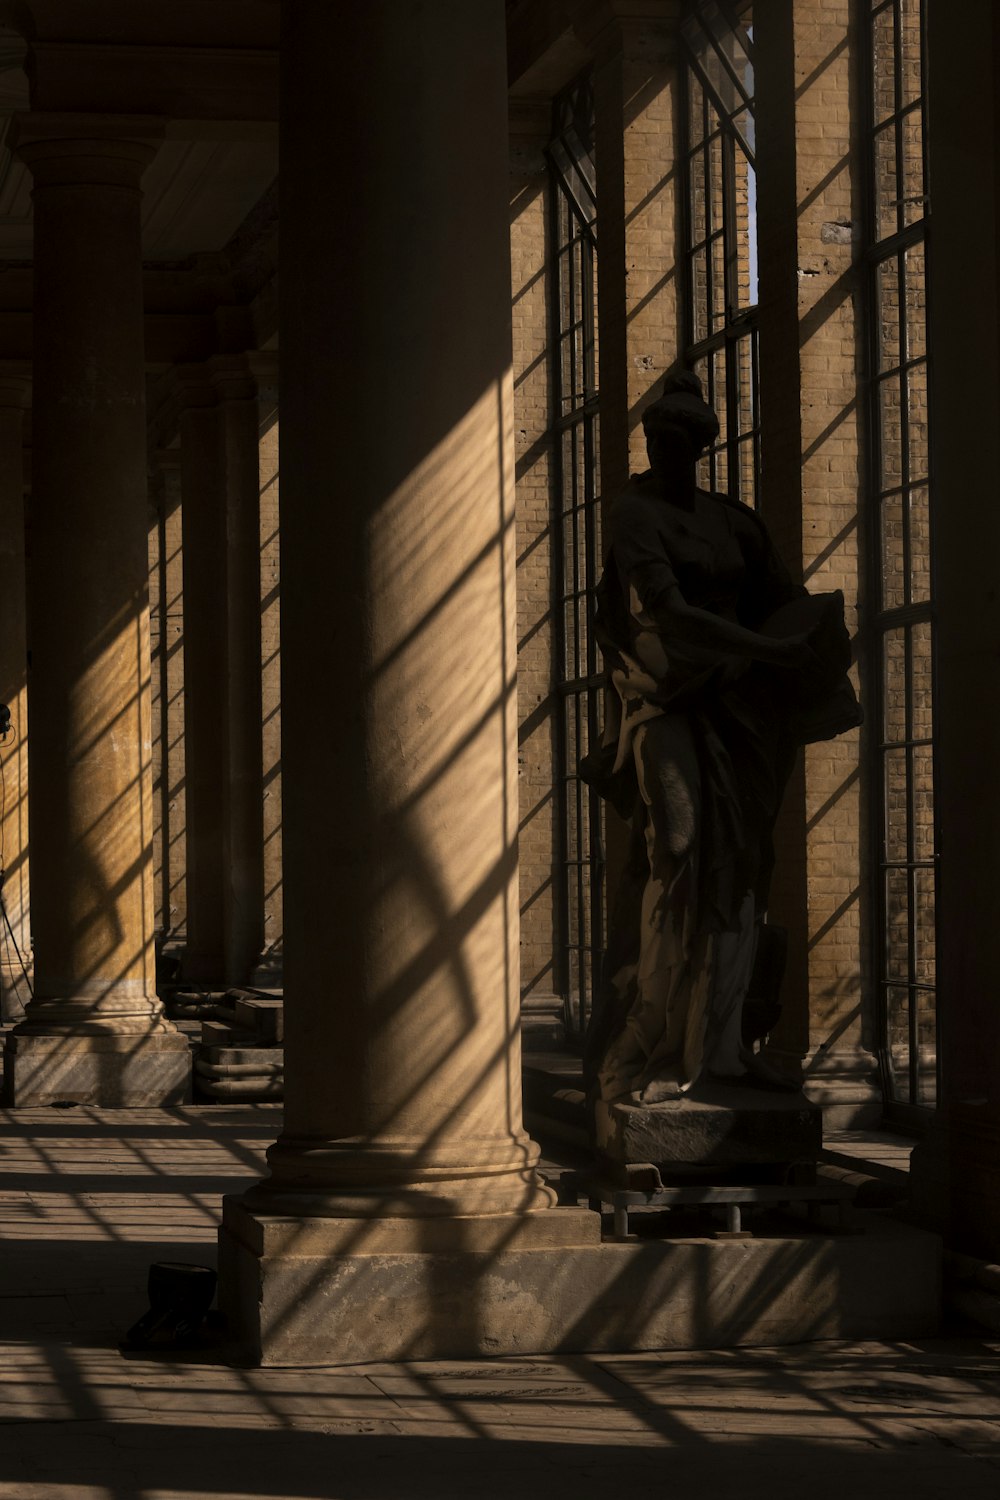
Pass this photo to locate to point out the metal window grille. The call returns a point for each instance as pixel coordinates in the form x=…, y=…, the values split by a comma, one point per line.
x=578, y=678
x=898, y=630
x=721, y=236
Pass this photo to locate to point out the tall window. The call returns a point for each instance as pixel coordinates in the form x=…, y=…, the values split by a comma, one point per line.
x=578, y=545
x=721, y=236
x=900, y=623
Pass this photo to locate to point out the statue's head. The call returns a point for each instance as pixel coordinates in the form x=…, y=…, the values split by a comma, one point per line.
x=679, y=426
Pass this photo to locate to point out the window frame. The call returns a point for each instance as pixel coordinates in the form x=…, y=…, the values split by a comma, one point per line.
x=578, y=678
x=906, y=1108
x=721, y=466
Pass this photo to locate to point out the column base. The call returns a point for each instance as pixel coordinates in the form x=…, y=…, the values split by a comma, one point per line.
x=268, y=972
x=112, y=1072
x=955, y=1177
x=14, y=993
x=328, y=1292
x=714, y=1126
x=844, y=1082
x=341, y=1291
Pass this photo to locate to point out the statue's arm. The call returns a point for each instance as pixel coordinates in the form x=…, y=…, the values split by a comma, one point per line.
x=647, y=575
x=685, y=622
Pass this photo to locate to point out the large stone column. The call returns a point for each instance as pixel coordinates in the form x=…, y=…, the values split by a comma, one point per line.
x=221, y=527
x=204, y=571
x=243, y=803
x=167, y=645
x=955, y=1171
x=403, y=1212
x=15, y=938
x=269, y=969
x=94, y=1031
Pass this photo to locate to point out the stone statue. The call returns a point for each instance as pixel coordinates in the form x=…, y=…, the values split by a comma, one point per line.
x=718, y=668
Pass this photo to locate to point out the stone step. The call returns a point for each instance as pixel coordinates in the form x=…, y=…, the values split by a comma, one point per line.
x=264, y=1016
x=555, y=1104
x=263, y=1058
x=251, y=1073
x=225, y=1034
x=190, y=1003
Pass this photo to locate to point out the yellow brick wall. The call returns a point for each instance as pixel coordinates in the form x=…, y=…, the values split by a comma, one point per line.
x=636, y=99
x=530, y=288
x=830, y=355
x=813, y=467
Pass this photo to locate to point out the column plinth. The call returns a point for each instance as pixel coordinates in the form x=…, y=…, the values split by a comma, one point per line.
x=403, y=1178
x=95, y=1030
x=397, y=1176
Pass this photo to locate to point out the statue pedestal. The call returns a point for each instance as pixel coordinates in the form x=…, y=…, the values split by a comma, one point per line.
x=714, y=1126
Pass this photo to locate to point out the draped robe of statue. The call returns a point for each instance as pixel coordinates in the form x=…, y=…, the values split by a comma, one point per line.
x=703, y=739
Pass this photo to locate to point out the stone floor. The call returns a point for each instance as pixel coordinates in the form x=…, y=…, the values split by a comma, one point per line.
x=90, y=1198
x=880, y=1152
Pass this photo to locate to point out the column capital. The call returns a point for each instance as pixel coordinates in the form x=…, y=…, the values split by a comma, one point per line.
x=202, y=385
x=164, y=460
x=64, y=149
x=530, y=115
x=15, y=385
x=223, y=377
x=231, y=377
x=264, y=365
x=190, y=386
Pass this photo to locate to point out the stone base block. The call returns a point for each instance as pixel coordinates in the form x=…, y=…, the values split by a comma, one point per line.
x=112, y=1072
x=844, y=1082
x=14, y=993
x=314, y=1292
x=269, y=971
x=715, y=1126
x=955, y=1177
x=847, y=1103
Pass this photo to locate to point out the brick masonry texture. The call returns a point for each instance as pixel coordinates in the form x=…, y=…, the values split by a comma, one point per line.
x=813, y=461
x=534, y=465
x=830, y=359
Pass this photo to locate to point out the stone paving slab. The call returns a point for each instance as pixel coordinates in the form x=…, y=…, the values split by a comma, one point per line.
x=80, y=1420
x=886, y=1419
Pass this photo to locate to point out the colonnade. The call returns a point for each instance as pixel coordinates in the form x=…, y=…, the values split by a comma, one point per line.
x=403, y=1130
x=95, y=1029
x=404, y=1185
